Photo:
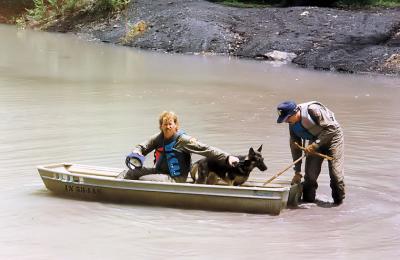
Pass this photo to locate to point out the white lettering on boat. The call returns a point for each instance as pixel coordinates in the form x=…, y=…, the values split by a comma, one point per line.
x=81, y=189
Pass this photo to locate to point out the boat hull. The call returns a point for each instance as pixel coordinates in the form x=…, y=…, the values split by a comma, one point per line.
x=91, y=183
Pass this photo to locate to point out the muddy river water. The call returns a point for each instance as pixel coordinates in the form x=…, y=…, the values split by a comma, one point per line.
x=64, y=99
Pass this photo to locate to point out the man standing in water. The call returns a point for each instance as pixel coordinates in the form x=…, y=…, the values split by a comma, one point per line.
x=172, y=151
x=314, y=122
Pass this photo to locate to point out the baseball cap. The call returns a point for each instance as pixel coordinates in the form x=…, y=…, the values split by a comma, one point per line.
x=285, y=110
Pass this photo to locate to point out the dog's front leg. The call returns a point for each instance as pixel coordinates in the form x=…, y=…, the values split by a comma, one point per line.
x=212, y=178
x=202, y=172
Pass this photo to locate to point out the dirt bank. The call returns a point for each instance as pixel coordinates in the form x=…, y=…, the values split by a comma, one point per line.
x=321, y=38
x=9, y=9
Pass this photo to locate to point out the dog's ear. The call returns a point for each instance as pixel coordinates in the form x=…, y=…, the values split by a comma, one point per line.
x=259, y=148
x=251, y=151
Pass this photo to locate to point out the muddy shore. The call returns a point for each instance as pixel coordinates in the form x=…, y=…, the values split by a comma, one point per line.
x=354, y=41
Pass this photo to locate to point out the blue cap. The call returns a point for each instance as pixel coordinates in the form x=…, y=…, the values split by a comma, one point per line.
x=285, y=110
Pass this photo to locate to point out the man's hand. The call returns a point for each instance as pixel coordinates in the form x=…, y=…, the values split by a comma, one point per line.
x=296, y=178
x=137, y=151
x=311, y=148
x=233, y=160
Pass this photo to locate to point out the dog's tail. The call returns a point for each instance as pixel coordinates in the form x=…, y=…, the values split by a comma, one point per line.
x=193, y=171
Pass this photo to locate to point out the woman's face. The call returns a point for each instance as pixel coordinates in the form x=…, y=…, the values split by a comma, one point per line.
x=169, y=128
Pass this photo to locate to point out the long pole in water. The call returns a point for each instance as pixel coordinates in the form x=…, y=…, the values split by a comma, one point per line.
x=281, y=172
x=301, y=158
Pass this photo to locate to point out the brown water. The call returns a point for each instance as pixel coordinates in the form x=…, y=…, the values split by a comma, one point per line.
x=62, y=99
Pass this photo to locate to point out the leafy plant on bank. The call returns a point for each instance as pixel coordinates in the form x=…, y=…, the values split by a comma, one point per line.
x=49, y=10
x=39, y=10
x=112, y=5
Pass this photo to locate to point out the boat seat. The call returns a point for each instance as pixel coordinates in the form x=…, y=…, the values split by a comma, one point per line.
x=87, y=170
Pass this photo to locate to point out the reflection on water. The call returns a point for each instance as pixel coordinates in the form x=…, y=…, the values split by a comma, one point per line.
x=62, y=99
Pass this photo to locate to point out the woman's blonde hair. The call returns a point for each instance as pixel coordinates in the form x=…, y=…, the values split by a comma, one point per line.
x=168, y=115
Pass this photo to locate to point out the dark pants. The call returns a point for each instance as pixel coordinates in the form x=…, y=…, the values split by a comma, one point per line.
x=336, y=171
x=136, y=174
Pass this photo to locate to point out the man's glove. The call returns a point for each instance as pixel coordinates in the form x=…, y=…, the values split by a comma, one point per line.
x=233, y=160
x=296, y=178
x=311, y=148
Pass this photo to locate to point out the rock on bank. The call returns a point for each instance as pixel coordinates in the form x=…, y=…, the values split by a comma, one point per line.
x=321, y=38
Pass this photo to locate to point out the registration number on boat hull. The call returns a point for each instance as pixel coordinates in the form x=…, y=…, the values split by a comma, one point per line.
x=81, y=189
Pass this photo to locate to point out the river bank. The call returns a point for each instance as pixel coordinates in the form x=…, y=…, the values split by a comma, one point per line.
x=10, y=9
x=354, y=41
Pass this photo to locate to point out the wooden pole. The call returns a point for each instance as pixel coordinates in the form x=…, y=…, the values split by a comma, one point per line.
x=281, y=172
x=316, y=153
x=301, y=158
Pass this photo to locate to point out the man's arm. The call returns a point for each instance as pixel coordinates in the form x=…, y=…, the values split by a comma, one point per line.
x=326, y=120
x=147, y=146
x=295, y=150
x=191, y=145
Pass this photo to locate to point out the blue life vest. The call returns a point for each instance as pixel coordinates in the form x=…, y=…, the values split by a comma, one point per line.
x=306, y=128
x=178, y=162
x=301, y=132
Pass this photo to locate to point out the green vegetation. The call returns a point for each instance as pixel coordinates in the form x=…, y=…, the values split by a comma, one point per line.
x=111, y=5
x=369, y=3
x=45, y=11
x=337, y=3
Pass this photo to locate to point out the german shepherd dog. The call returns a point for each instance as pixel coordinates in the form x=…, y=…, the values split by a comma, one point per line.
x=209, y=170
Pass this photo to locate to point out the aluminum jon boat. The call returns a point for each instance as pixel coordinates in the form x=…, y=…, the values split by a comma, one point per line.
x=102, y=184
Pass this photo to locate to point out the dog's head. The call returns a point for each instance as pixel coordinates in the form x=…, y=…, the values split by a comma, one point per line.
x=256, y=158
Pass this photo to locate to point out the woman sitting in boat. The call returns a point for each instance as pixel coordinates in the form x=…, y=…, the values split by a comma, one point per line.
x=173, y=150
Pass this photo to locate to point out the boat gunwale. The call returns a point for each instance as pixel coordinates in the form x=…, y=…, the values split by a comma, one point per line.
x=51, y=169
